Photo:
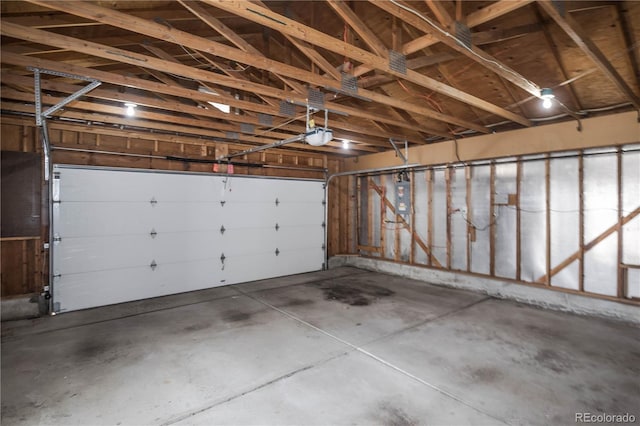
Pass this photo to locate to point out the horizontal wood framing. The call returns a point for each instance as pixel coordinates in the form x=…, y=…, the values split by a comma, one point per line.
x=609, y=130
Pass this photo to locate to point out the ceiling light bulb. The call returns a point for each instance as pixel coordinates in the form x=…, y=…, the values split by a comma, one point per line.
x=131, y=109
x=546, y=95
x=345, y=144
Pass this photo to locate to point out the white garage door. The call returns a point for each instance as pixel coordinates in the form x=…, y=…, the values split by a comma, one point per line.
x=122, y=235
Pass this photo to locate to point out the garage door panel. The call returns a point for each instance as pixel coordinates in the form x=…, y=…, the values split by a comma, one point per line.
x=305, y=260
x=100, y=186
x=97, y=219
x=302, y=215
x=116, y=245
x=252, y=267
x=184, y=217
x=174, y=188
x=87, y=290
x=299, y=237
x=249, y=214
x=249, y=241
x=185, y=246
x=85, y=254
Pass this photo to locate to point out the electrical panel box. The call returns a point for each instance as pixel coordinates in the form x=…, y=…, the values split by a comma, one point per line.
x=403, y=198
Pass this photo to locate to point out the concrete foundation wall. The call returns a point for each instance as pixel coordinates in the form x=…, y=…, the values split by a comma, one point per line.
x=502, y=289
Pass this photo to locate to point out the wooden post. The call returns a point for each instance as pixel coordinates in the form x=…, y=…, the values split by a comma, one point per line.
x=581, y=221
x=447, y=178
x=518, y=219
x=470, y=230
x=383, y=215
x=412, y=225
x=547, y=186
x=492, y=222
x=620, y=276
x=429, y=176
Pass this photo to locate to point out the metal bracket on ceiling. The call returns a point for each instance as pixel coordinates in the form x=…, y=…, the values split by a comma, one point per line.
x=42, y=116
x=405, y=156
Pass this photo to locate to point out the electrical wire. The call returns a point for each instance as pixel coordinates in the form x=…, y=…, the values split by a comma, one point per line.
x=282, y=124
x=462, y=44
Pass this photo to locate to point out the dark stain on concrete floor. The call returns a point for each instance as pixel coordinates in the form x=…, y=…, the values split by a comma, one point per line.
x=235, y=316
x=360, y=295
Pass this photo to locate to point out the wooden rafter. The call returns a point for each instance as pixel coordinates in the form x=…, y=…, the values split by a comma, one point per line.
x=39, y=36
x=558, y=59
x=574, y=30
x=283, y=24
x=126, y=81
x=366, y=34
x=234, y=38
x=473, y=53
x=474, y=19
x=159, y=31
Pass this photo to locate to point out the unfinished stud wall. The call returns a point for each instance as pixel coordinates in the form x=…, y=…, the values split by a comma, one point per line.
x=565, y=220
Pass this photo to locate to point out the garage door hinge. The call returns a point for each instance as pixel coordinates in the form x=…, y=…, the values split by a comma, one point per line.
x=277, y=227
x=222, y=203
x=324, y=202
x=57, y=238
x=57, y=276
x=277, y=252
x=153, y=233
x=153, y=265
x=153, y=201
x=324, y=247
x=277, y=202
x=324, y=224
x=222, y=229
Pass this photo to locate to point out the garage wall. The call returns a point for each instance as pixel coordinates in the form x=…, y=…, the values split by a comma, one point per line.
x=553, y=220
x=552, y=216
x=24, y=267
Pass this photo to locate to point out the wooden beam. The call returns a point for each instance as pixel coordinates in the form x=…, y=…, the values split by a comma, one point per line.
x=230, y=35
x=153, y=29
x=500, y=35
x=575, y=256
x=332, y=147
x=626, y=30
x=442, y=14
x=493, y=11
x=386, y=203
x=574, y=30
x=486, y=14
x=283, y=24
x=366, y=34
x=473, y=53
x=556, y=54
x=159, y=64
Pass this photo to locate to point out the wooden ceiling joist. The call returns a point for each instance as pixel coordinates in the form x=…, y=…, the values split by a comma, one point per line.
x=161, y=32
x=573, y=29
x=471, y=52
x=268, y=18
x=89, y=48
x=152, y=87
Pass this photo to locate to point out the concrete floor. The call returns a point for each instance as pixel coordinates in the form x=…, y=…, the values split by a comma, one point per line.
x=343, y=346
